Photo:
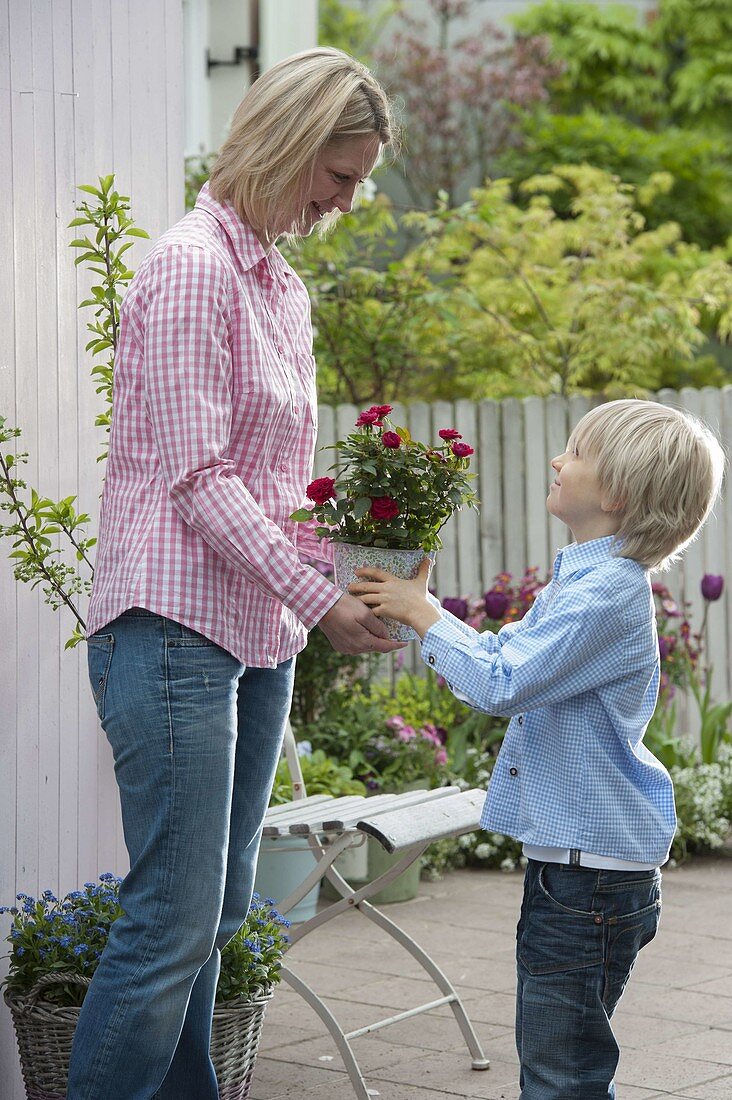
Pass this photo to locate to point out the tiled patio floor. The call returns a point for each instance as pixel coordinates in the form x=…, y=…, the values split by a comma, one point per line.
x=674, y=1023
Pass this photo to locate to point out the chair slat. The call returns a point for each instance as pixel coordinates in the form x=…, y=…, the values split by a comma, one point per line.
x=340, y=823
x=427, y=821
x=314, y=823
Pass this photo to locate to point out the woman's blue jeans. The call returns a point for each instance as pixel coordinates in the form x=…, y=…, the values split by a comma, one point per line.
x=578, y=937
x=196, y=737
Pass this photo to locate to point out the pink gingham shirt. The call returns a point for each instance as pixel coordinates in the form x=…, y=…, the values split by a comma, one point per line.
x=213, y=436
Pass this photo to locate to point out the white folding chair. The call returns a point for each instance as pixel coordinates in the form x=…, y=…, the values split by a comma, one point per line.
x=402, y=823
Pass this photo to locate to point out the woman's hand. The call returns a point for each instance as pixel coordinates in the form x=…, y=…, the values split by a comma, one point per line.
x=352, y=628
x=398, y=599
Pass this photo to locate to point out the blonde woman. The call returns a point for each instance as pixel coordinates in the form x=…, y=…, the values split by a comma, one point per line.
x=200, y=599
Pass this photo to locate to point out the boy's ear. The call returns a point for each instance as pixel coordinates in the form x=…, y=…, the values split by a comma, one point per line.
x=612, y=507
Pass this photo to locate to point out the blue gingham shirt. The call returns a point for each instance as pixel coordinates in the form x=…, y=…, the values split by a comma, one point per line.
x=578, y=676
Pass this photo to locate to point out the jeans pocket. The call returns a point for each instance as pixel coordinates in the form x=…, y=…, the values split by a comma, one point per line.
x=100, y=648
x=561, y=931
x=627, y=935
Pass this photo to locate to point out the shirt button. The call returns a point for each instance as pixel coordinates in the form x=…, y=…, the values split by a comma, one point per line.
x=521, y=719
x=513, y=771
x=284, y=466
x=431, y=659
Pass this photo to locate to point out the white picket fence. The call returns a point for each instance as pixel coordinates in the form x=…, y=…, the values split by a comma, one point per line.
x=514, y=441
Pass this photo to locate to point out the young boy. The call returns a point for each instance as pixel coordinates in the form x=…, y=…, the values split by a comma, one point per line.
x=578, y=677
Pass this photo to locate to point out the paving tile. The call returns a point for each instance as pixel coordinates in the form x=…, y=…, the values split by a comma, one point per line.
x=675, y=1004
x=635, y=1031
x=717, y=987
x=651, y=1070
x=674, y=1023
x=272, y=1076
x=710, y=1045
x=719, y=1088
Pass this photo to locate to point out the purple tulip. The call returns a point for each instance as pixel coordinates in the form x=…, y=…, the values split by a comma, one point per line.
x=712, y=586
x=495, y=604
x=456, y=606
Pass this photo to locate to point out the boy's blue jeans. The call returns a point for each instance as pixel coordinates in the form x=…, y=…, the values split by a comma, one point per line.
x=196, y=738
x=578, y=937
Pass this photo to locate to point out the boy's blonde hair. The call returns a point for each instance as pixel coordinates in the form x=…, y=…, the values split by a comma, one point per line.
x=661, y=468
x=283, y=123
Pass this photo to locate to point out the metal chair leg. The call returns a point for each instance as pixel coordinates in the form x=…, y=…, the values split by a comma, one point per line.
x=440, y=979
x=344, y=1047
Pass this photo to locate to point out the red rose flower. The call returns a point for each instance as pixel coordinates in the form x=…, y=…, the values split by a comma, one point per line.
x=384, y=508
x=461, y=450
x=368, y=416
x=381, y=410
x=322, y=489
x=449, y=434
x=391, y=439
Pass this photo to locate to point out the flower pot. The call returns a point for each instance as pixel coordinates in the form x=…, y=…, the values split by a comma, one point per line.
x=347, y=558
x=282, y=865
x=45, y=1032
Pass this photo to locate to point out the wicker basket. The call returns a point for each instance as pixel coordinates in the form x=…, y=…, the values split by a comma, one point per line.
x=45, y=1031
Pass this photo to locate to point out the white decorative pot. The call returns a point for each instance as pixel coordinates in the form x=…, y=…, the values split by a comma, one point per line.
x=347, y=558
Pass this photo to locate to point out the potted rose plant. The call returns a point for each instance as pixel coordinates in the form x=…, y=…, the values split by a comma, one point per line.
x=55, y=946
x=390, y=498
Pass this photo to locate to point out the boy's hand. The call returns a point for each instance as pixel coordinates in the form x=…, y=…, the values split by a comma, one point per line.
x=403, y=600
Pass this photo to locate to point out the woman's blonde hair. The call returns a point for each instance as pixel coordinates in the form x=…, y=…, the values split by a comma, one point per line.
x=288, y=116
x=660, y=467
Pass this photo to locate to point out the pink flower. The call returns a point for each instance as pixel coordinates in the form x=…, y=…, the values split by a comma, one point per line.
x=441, y=758
x=462, y=450
x=391, y=439
x=449, y=434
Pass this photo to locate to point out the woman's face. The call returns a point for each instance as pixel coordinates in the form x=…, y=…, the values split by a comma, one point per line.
x=338, y=171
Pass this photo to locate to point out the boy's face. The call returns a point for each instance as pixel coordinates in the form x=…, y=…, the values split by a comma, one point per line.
x=576, y=498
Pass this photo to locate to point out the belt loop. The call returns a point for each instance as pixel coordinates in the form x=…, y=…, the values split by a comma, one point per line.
x=574, y=857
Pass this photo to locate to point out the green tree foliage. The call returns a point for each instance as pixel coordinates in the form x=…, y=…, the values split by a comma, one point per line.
x=609, y=61
x=638, y=98
x=593, y=302
x=377, y=333
x=674, y=67
x=509, y=298
x=700, y=197
x=696, y=39
x=351, y=30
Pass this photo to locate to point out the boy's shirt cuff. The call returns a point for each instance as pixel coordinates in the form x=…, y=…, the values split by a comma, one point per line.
x=437, y=643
